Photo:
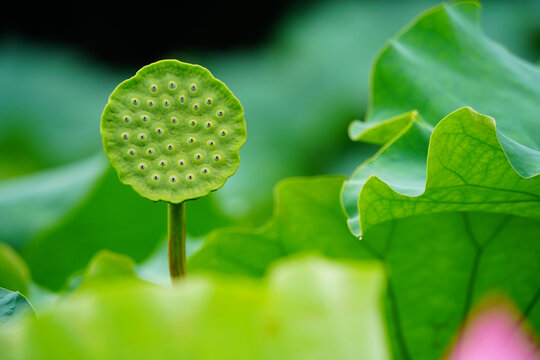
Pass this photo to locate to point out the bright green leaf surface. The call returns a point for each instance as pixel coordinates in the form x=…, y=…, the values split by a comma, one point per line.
x=306, y=309
x=444, y=61
x=439, y=264
x=467, y=170
x=12, y=306
x=14, y=274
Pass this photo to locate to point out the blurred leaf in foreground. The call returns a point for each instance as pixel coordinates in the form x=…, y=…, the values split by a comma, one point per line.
x=306, y=309
x=12, y=306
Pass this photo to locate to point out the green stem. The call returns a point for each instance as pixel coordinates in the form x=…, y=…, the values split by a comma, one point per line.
x=176, y=215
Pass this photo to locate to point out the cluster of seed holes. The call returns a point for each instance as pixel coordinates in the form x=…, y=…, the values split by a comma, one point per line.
x=174, y=120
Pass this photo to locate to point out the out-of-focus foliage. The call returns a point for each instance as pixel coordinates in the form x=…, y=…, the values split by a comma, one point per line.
x=13, y=305
x=306, y=308
x=14, y=274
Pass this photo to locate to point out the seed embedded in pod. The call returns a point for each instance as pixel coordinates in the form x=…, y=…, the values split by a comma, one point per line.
x=193, y=87
x=151, y=103
x=209, y=101
x=166, y=103
x=155, y=177
x=172, y=85
x=211, y=143
x=189, y=176
x=172, y=179
x=142, y=166
x=216, y=157
x=198, y=156
x=131, y=152
x=163, y=163
x=145, y=118
x=150, y=151
x=142, y=137
x=153, y=88
x=223, y=133
x=208, y=124
x=219, y=113
x=192, y=123
x=127, y=118
x=204, y=171
x=159, y=131
x=196, y=107
x=181, y=162
x=174, y=120
x=135, y=101
x=182, y=98
x=125, y=136
x=170, y=147
x=191, y=140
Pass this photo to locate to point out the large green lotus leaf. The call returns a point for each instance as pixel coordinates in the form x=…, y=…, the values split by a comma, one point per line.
x=13, y=305
x=467, y=170
x=440, y=264
x=307, y=308
x=444, y=61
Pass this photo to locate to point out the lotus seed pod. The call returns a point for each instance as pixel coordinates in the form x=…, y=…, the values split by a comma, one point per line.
x=163, y=142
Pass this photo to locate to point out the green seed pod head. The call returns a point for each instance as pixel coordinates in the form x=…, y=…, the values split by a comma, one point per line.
x=173, y=131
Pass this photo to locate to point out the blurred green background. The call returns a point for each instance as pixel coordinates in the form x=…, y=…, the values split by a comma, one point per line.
x=300, y=69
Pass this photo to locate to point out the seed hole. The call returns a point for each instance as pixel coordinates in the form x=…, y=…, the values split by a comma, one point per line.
x=223, y=133
x=204, y=171
x=163, y=163
x=182, y=99
x=174, y=120
x=135, y=101
x=125, y=136
x=198, y=156
x=145, y=118
x=216, y=157
x=142, y=137
x=189, y=177
x=193, y=87
x=181, y=162
x=172, y=85
x=151, y=103
x=170, y=147
x=153, y=88
x=191, y=140
x=131, y=152
x=142, y=166
x=192, y=123
x=150, y=151
x=127, y=119
x=172, y=179
x=208, y=124
x=209, y=101
x=211, y=143
x=195, y=107
x=159, y=131
x=166, y=103
x=219, y=113
x=155, y=177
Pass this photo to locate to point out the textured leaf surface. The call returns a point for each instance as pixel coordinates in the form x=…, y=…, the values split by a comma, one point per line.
x=12, y=306
x=305, y=309
x=440, y=264
x=444, y=61
x=173, y=131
